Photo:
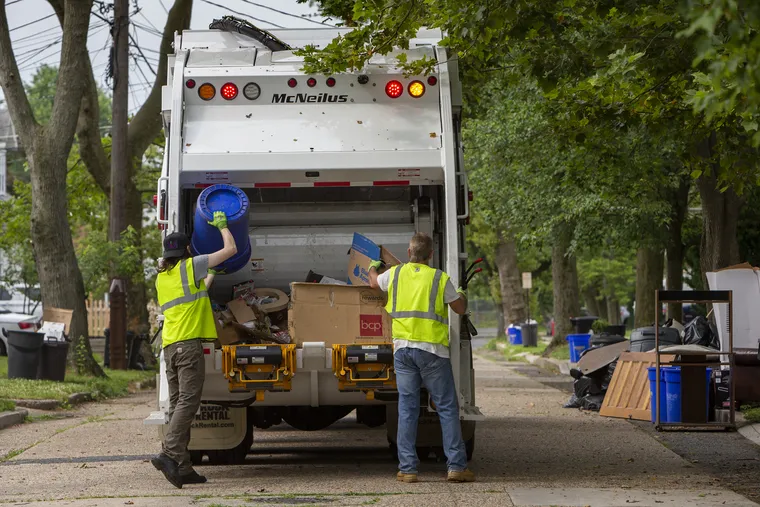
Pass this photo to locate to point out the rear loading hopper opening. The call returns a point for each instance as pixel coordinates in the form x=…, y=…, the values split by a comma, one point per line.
x=297, y=230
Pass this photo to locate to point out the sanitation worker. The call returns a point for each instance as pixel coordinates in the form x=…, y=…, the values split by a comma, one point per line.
x=418, y=296
x=182, y=284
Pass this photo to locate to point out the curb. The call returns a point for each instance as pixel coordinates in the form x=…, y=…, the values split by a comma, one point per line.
x=12, y=418
x=39, y=404
x=552, y=365
x=751, y=432
x=78, y=398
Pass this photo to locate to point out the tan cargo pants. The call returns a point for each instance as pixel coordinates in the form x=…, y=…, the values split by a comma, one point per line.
x=185, y=372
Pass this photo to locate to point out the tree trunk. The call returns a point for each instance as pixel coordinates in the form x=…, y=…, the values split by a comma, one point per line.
x=565, y=283
x=649, y=267
x=512, y=297
x=137, y=299
x=679, y=202
x=602, y=309
x=590, y=295
x=613, y=311
x=47, y=149
x=720, y=217
x=501, y=323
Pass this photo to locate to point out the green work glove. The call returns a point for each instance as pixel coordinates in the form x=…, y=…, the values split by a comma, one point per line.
x=462, y=292
x=213, y=272
x=376, y=264
x=219, y=221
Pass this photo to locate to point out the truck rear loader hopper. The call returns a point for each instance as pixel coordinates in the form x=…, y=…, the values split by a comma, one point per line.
x=319, y=158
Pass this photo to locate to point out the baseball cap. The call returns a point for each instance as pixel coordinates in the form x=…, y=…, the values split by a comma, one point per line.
x=175, y=245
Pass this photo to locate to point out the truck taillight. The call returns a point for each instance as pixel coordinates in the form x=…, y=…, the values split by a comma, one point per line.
x=311, y=82
x=155, y=200
x=416, y=89
x=394, y=89
x=292, y=82
x=229, y=91
x=206, y=91
x=432, y=80
x=330, y=82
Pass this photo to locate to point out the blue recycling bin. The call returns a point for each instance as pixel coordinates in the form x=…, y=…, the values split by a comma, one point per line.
x=206, y=238
x=578, y=343
x=514, y=333
x=654, y=402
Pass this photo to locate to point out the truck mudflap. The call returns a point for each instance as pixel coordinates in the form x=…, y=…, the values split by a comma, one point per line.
x=365, y=368
x=259, y=368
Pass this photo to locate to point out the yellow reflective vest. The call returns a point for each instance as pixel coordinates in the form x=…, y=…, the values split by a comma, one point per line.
x=415, y=302
x=186, y=307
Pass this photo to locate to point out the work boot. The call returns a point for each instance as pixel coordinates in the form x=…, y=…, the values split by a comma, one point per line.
x=402, y=477
x=463, y=476
x=193, y=477
x=169, y=468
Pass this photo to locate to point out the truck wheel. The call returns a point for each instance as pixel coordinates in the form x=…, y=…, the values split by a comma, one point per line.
x=234, y=456
x=469, y=446
x=196, y=457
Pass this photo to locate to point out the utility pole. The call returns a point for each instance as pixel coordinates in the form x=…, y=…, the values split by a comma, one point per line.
x=119, y=174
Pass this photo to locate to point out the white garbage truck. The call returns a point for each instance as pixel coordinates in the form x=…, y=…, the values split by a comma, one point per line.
x=319, y=157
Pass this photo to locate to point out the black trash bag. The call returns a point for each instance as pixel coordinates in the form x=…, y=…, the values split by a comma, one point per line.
x=586, y=385
x=609, y=372
x=592, y=402
x=576, y=373
x=573, y=402
x=700, y=332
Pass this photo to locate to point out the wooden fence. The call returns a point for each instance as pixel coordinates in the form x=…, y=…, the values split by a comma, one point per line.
x=98, y=315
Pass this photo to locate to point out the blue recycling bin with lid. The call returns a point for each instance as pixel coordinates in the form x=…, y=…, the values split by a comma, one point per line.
x=514, y=333
x=206, y=238
x=578, y=343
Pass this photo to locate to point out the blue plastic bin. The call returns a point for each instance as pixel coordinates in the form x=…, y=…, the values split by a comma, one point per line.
x=206, y=238
x=653, y=397
x=578, y=343
x=673, y=393
x=514, y=333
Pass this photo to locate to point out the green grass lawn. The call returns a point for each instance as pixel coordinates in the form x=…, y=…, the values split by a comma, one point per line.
x=517, y=352
x=117, y=384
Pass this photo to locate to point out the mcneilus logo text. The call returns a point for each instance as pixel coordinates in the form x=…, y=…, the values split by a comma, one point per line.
x=304, y=98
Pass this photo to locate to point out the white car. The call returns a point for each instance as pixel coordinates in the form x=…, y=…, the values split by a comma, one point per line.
x=10, y=321
x=20, y=298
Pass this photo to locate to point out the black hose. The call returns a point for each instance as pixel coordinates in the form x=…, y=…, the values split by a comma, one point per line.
x=233, y=24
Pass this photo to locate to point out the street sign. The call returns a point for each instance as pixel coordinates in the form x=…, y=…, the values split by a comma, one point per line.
x=527, y=281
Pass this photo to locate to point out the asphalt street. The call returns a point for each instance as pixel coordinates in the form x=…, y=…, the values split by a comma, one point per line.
x=530, y=451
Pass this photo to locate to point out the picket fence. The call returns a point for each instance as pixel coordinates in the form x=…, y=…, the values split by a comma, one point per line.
x=98, y=316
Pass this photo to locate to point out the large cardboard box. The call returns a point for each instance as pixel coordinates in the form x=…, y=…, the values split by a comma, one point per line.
x=337, y=314
x=363, y=252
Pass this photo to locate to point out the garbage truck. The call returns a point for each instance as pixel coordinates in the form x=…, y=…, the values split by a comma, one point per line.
x=319, y=158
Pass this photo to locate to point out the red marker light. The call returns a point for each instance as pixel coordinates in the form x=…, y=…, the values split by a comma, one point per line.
x=229, y=91
x=292, y=82
x=394, y=89
x=311, y=82
x=155, y=200
x=190, y=83
x=432, y=80
x=330, y=82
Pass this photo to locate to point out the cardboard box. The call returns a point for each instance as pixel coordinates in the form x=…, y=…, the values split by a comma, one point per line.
x=226, y=333
x=59, y=315
x=337, y=314
x=241, y=311
x=363, y=252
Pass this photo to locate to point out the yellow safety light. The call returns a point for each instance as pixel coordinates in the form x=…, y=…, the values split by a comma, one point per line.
x=416, y=89
x=206, y=91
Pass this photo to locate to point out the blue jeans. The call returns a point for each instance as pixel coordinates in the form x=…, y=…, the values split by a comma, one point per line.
x=415, y=368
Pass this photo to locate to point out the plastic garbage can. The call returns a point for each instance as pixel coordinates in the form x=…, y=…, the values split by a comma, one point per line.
x=673, y=393
x=52, y=364
x=24, y=351
x=654, y=403
x=582, y=325
x=578, y=343
x=529, y=334
x=514, y=333
x=206, y=238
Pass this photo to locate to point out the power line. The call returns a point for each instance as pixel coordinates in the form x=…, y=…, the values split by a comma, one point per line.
x=12, y=2
x=163, y=6
x=243, y=14
x=31, y=23
x=284, y=13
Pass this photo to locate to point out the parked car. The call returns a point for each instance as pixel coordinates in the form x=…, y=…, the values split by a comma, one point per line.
x=20, y=298
x=11, y=321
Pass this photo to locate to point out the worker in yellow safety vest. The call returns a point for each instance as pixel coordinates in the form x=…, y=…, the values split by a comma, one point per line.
x=419, y=298
x=182, y=285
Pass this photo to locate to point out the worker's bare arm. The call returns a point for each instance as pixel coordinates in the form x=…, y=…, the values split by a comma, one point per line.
x=460, y=305
x=373, y=278
x=228, y=250
x=209, y=280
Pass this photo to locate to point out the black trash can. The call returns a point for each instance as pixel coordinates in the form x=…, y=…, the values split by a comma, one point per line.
x=582, y=325
x=606, y=339
x=53, y=361
x=529, y=334
x=24, y=351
